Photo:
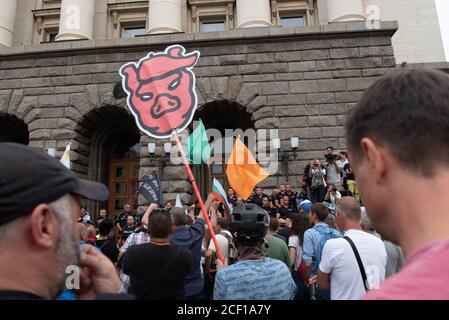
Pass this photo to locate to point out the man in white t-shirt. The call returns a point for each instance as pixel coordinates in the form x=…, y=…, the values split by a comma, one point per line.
x=224, y=238
x=339, y=269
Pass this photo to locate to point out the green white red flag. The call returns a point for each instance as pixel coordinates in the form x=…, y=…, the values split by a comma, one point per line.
x=218, y=191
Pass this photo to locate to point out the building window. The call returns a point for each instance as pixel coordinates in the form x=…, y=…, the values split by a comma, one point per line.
x=50, y=35
x=210, y=26
x=292, y=20
x=210, y=15
x=132, y=31
x=289, y=13
x=127, y=19
x=46, y=24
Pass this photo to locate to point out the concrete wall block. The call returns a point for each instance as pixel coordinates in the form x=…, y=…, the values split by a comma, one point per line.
x=321, y=121
x=332, y=132
x=269, y=88
x=322, y=54
x=232, y=59
x=345, y=53
x=321, y=144
x=286, y=100
x=330, y=109
x=53, y=100
x=356, y=84
x=319, y=98
x=332, y=85
x=287, y=56
x=337, y=64
x=307, y=86
x=269, y=123
x=294, y=122
x=348, y=96
x=21, y=73
x=302, y=66
x=361, y=63
x=260, y=57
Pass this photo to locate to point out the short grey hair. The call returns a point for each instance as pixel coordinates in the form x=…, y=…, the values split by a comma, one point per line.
x=366, y=222
x=12, y=228
x=178, y=216
x=350, y=207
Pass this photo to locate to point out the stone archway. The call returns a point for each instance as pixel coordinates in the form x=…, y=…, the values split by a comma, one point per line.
x=107, y=139
x=13, y=129
x=221, y=115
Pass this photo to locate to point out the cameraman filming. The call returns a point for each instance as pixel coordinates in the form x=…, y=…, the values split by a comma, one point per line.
x=332, y=168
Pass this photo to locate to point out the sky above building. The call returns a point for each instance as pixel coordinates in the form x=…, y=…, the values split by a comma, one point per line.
x=443, y=17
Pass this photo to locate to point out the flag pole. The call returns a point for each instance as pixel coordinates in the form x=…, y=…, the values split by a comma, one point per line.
x=198, y=196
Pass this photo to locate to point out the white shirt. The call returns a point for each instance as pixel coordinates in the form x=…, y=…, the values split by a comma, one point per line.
x=341, y=165
x=338, y=260
x=222, y=242
x=333, y=198
x=293, y=242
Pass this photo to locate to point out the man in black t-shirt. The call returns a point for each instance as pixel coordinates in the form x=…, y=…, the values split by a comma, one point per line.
x=130, y=227
x=281, y=194
x=292, y=195
x=106, y=241
x=274, y=198
x=266, y=206
x=256, y=198
x=286, y=209
x=158, y=270
x=122, y=218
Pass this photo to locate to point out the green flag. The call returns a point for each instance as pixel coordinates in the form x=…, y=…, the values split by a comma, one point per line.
x=198, y=146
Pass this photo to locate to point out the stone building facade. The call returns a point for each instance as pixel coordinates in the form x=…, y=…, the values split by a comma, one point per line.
x=300, y=80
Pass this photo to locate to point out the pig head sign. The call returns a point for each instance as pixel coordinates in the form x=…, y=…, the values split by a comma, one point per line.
x=161, y=92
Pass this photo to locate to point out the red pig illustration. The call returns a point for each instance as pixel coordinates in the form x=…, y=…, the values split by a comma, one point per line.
x=161, y=90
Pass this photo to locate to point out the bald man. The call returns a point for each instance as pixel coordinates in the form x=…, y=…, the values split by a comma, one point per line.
x=339, y=269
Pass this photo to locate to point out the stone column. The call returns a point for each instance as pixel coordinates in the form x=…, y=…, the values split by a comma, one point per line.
x=77, y=20
x=7, y=22
x=164, y=16
x=345, y=10
x=253, y=13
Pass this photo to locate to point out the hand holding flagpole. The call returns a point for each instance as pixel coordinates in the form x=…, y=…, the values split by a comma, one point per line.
x=198, y=196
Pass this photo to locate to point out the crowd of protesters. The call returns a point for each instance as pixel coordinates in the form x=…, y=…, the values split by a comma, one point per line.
x=167, y=241
x=317, y=242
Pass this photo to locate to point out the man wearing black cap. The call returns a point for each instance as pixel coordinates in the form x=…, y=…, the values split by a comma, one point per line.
x=39, y=245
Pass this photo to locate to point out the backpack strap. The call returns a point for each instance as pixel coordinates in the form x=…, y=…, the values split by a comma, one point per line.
x=359, y=261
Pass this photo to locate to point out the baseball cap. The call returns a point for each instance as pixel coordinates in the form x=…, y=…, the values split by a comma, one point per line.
x=29, y=177
x=306, y=205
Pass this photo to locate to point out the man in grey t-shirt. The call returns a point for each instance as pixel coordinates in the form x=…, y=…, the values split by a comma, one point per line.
x=395, y=259
x=332, y=169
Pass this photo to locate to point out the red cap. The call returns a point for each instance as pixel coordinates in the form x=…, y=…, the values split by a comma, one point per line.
x=172, y=59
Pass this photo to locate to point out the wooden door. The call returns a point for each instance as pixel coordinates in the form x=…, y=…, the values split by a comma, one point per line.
x=123, y=184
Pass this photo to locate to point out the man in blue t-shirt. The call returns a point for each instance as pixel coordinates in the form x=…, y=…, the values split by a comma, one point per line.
x=191, y=237
x=254, y=276
x=313, y=243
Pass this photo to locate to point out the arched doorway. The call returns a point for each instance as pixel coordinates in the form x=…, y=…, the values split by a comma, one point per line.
x=12, y=129
x=113, y=144
x=220, y=115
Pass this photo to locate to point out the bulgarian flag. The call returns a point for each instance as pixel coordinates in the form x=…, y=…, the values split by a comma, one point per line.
x=219, y=192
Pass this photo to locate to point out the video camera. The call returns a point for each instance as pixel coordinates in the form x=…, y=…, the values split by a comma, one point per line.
x=331, y=157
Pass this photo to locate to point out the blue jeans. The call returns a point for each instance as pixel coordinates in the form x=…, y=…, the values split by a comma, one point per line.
x=302, y=292
x=318, y=194
x=321, y=294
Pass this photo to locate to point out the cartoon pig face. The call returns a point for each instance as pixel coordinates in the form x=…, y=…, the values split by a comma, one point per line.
x=161, y=91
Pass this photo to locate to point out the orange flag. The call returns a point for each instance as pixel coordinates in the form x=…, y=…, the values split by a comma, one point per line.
x=243, y=171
